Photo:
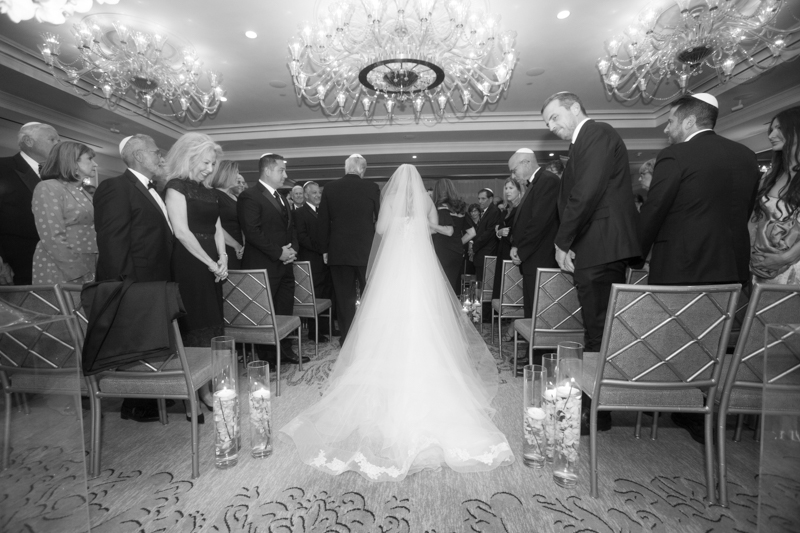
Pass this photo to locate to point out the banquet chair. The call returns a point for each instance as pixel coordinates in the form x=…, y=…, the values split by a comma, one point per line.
x=510, y=303
x=306, y=304
x=487, y=287
x=636, y=276
x=39, y=350
x=662, y=350
x=743, y=373
x=177, y=375
x=249, y=315
x=556, y=314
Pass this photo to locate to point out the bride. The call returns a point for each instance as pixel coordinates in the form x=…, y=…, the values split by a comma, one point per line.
x=413, y=383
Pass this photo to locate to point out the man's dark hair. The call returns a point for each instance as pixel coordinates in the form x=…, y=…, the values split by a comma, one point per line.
x=705, y=115
x=565, y=99
x=268, y=161
x=489, y=193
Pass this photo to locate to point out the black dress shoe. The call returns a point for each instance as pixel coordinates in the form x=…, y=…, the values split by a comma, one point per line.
x=603, y=421
x=322, y=338
x=139, y=414
x=292, y=359
x=200, y=418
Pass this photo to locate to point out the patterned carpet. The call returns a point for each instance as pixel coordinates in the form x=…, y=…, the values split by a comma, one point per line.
x=146, y=484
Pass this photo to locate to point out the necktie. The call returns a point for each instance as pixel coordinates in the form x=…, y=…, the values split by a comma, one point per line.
x=41, y=166
x=151, y=185
x=284, y=212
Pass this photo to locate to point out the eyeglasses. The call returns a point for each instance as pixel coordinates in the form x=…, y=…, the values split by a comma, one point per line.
x=157, y=152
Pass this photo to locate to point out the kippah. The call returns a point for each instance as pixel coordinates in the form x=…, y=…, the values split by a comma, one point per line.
x=488, y=189
x=524, y=151
x=123, y=143
x=31, y=124
x=707, y=98
x=265, y=155
x=356, y=155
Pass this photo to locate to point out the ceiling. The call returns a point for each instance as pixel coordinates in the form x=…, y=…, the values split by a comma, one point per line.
x=259, y=117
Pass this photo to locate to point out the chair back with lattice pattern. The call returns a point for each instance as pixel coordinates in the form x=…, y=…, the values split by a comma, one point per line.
x=511, y=293
x=489, y=266
x=666, y=337
x=247, y=300
x=304, y=296
x=43, y=337
x=555, y=303
x=636, y=276
x=769, y=304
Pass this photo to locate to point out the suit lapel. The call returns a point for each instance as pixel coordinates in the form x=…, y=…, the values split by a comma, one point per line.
x=25, y=173
x=144, y=191
x=274, y=202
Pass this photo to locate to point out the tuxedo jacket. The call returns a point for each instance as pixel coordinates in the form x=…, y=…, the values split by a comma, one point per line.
x=696, y=213
x=18, y=235
x=535, y=223
x=306, y=221
x=347, y=215
x=598, y=218
x=265, y=231
x=133, y=236
x=485, y=241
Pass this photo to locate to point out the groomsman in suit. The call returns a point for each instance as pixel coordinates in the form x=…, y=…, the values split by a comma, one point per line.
x=597, y=233
x=347, y=215
x=533, y=230
x=269, y=232
x=703, y=190
x=695, y=216
x=306, y=222
x=485, y=241
x=298, y=197
x=134, y=236
x=19, y=175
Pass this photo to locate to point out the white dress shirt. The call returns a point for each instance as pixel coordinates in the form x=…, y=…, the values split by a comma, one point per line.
x=689, y=138
x=578, y=130
x=32, y=162
x=146, y=181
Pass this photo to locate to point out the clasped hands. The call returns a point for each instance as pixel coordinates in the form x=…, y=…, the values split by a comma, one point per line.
x=501, y=232
x=220, y=268
x=6, y=273
x=288, y=255
x=565, y=260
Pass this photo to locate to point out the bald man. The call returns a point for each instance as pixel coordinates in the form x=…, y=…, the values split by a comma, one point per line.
x=19, y=175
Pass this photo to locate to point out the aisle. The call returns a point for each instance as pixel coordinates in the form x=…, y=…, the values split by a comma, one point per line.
x=146, y=483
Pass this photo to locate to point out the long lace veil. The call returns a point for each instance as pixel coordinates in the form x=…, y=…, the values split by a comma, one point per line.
x=407, y=292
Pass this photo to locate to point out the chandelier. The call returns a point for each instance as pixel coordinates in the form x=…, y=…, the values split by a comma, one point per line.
x=118, y=60
x=52, y=11
x=401, y=52
x=730, y=37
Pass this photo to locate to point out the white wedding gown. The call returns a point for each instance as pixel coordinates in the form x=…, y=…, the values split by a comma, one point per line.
x=412, y=386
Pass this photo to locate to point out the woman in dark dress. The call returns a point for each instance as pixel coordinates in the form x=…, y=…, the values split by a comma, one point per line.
x=448, y=243
x=471, y=226
x=226, y=184
x=513, y=194
x=199, y=261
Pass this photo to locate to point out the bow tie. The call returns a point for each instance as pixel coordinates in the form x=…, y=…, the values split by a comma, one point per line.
x=151, y=185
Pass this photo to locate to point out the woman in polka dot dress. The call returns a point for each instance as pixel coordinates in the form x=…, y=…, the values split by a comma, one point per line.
x=67, y=250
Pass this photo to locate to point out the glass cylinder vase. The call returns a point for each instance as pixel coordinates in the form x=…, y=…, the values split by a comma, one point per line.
x=568, y=414
x=534, y=442
x=226, y=402
x=260, y=409
x=550, y=366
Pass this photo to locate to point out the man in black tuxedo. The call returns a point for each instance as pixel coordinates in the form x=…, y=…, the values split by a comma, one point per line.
x=306, y=221
x=597, y=232
x=485, y=241
x=701, y=196
x=298, y=197
x=19, y=175
x=347, y=215
x=269, y=232
x=695, y=216
x=134, y=236
x=533, y=230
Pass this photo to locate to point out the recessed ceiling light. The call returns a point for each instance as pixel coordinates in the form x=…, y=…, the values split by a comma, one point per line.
x=250, y=34
x=534, y=72
x=563, y=14
x=277, y=84
x=552, y=154
x=413, y=157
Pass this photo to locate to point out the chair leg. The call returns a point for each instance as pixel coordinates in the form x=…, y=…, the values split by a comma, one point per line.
x=7, y=433
x=514, y=368
x=299, y=350
x=78, y=409
x=23, y=398
x=500, y=335
x=757, y=429
x=491, y=338
x=722, y=467
x=654, y=426
x=709, y=458
x=316, y=339
x=737, y=434
x=330, y=325
x=195, y=437
x=278, y=368
x=162, y=411
x=637, y=432
x=97, y=430
x=593, y=490
x=530, y=351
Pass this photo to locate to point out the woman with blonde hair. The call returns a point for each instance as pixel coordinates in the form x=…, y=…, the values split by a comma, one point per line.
x=225, y=184
x=199, y=261
x=64, y=215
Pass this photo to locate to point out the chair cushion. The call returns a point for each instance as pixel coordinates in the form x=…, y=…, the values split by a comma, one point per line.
x=523, y=327
x=49, y=383
x=312, y=311
x=265, y=334
x=199, y=360
x=646, y=398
